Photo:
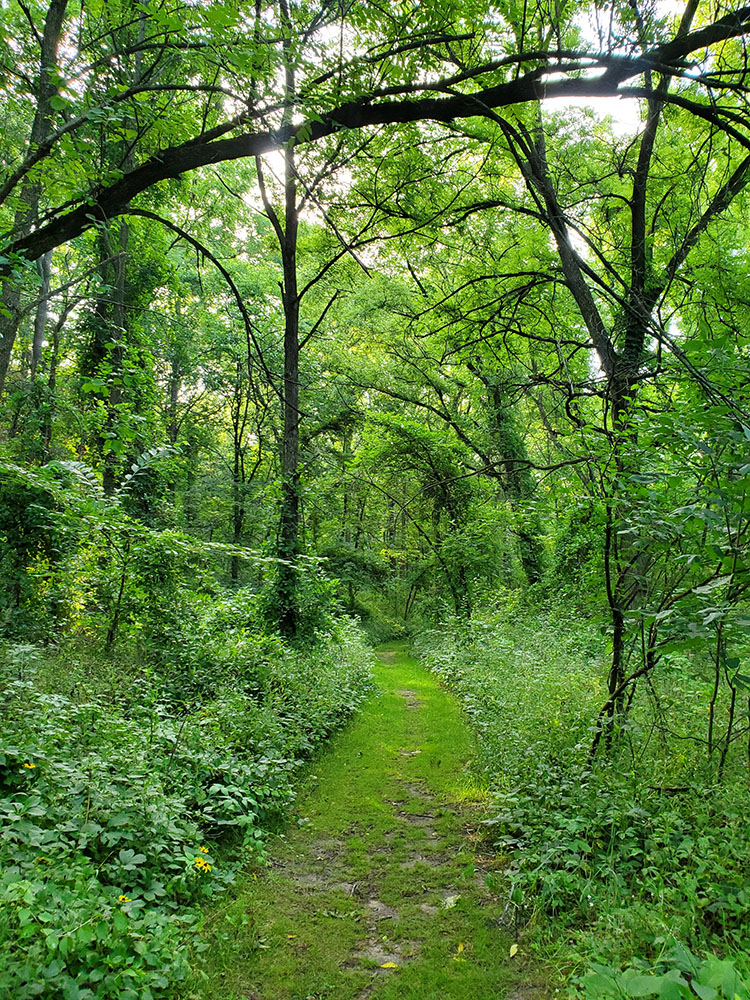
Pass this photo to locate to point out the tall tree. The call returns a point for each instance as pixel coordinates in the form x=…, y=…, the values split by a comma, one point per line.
x=45, y=91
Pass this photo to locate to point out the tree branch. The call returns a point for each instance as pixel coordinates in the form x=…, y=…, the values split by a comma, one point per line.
x=104, y=202
x=203, y=249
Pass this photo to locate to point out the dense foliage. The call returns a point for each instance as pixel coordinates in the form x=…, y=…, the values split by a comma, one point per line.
x=149, y=745
x=638, y=856
x=320, y=311
x=112, y=792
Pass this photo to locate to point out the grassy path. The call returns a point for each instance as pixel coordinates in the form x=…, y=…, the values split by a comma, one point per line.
x=381, y=893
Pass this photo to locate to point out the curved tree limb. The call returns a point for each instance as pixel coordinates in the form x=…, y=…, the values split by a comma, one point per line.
x=370, y=110
x=203, y=249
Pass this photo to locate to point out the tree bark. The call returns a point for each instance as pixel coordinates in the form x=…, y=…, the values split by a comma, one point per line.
x=511, y=471
x=26, y=213
x=289, y=534
x=44, y=265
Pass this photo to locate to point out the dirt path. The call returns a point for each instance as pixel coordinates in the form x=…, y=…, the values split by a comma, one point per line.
x=381, y=892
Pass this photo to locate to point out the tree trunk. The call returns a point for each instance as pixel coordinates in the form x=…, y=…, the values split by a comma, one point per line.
x=290, y=500
x=239, y=421
x=49, y=410
x=118, y=333
x=289, y=527
x=44, y=265
x=513, y=474
x=10, y=294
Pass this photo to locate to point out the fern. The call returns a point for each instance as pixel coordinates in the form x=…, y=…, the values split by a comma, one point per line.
x=86, y=476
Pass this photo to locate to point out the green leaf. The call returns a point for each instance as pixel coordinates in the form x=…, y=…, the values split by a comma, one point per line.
x=70, y=990
x=704, y=992
x=642, y=986
x=722, y=974
x=129, y=858
x=720, y=581
x=54, y=968
x=85, y=934
x=600, y=984
x=673, y=989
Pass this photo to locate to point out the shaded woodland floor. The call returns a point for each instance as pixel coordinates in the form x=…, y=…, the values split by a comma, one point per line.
x=383, y=891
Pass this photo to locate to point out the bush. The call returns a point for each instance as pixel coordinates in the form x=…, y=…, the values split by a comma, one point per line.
x=628, y=853
x=121, y=807
x=32, y=543
x=378, y=626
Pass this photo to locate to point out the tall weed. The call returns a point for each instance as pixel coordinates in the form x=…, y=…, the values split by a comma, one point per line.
x=612, y=859
x=126, y=801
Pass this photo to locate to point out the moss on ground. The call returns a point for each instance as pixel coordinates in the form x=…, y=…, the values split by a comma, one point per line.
x=382, y=892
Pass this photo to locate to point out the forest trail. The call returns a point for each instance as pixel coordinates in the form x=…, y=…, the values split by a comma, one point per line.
x=382, y=893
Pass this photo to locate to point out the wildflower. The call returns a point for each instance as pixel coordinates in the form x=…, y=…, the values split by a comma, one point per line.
x=201, y=864
x=30, y=766
x=204, y=849
x=124, y=899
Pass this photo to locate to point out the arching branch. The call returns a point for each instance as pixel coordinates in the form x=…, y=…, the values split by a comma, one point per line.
x=250, y=333
x=70, y=221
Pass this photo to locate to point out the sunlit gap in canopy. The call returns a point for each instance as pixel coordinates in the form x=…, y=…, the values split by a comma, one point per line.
x=624, y=114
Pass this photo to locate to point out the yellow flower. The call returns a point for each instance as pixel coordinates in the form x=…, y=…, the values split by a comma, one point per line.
x=204, y=849
x=29, y=766
x=201, y=864
x=124, y=899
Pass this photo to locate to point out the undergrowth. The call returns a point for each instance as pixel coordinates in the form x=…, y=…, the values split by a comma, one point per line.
x=627, y=869
x=128, y=782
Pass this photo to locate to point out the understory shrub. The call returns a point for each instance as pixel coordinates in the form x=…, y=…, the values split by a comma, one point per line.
x=677, y=975
x=121, y=803
x=628, y=854
x=377, y=624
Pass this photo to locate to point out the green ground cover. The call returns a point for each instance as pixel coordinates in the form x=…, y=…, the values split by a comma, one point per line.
x=383, y=891
x=132, y=790
x=633, y=861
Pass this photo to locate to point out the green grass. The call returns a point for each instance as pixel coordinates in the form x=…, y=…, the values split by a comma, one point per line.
x=385, y=868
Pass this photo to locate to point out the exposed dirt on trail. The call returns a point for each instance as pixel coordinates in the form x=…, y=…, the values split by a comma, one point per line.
x=409, y=697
